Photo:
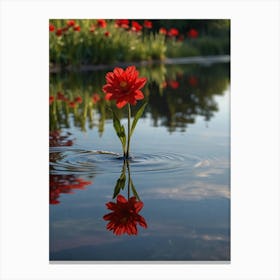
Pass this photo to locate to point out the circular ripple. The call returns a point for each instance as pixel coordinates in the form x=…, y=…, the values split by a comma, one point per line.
x=77, y=161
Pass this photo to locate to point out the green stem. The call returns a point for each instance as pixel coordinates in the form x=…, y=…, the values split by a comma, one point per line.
x=129, y=179
x=128, y=131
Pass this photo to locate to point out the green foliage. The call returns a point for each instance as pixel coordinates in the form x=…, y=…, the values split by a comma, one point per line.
x=120, y=130
x=120, y=182
x=91, y=44
x=138, y=115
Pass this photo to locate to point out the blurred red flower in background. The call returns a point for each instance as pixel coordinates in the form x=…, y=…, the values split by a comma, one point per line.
x=78, y=99
x=77, y=28
x=51, y=27
x=124, y=216
x=173, y=84
x=148, y=24
x=61, y=96
x=71, y=22
x=107, y=33
x=124, y=23
x=59, y=32
x=124, y=86
x=163, y=31
x=193, y=81
x=173, y=32
x=95, y=97
x=136, y=26
x=72, y=104
x=193, y=33
x=101, y=23
x=51, y=99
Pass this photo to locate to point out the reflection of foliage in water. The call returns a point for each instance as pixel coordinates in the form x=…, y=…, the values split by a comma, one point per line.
x=176, y=95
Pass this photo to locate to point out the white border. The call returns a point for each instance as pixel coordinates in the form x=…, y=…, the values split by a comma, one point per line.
x=254, y=129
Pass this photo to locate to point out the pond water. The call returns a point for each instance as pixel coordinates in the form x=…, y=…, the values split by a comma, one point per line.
x=180, y=166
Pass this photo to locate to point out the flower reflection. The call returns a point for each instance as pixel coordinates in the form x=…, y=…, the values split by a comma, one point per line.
x=125, y=216
x=64, y=184
x=58, y=139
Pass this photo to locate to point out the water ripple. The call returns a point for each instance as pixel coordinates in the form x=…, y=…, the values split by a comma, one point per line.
x=78, y=161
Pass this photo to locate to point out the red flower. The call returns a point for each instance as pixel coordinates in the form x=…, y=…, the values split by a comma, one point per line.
x=163, y=31
x=71, y=22
x=193, y=81
x=124, y=23
x=193, y=33
x=107, y=33
x=64, y=29
x=125, y=217
x=124, y=86
x=61, y=96
x=173, y=32
x=173, y=84
x=95, y=97
x=136, y=26
x=148, y=24
x=59, y=32
x=51, y=99
x=72, y=104
x=79, y=99
x=77, y=28
x=51, y=27
x=101, y=23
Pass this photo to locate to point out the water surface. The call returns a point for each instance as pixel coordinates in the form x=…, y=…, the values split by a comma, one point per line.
x=180, y=167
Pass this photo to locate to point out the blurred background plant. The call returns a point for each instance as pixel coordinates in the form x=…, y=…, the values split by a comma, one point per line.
x=99, y=41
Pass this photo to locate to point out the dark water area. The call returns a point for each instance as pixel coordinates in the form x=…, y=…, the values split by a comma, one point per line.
x=180, y=167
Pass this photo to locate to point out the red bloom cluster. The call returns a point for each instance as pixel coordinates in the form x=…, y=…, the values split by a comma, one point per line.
x=123, y=23
x=193, y=33
x=148, y=24
x=125, y=216
x=95, y=97
x=124, y=86
x=135, y=26
x=64, y=184
x=173, y=32
x=101, y=23
x=71, y=22
x=60, y=31
x=51, y=27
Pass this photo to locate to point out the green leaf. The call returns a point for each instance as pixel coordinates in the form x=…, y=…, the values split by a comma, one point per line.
x=134, y=190
x=120, y=130
x=137, y=117
x=120, y=184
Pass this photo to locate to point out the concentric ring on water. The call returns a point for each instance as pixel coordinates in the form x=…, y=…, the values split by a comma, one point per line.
x=78, y=161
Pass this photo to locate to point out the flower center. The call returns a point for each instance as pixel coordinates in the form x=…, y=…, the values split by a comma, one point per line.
x=123, y=84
